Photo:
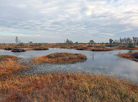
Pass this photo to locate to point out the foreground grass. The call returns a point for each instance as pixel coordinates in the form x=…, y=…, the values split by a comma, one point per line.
x=67, y=88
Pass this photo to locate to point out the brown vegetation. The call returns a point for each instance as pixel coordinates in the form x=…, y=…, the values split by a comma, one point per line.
x=94, y=49
x=18, y=50
x=125, y=47
x=4, y=57
x=40, y=48
x=132, y=56
x=102, y=49
x=8, y=64
x=112, y=45
x=67, y=88
x=89, y=47
x=60, y=58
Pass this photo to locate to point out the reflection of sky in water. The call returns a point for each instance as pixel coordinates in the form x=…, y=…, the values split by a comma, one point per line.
x=97, y=62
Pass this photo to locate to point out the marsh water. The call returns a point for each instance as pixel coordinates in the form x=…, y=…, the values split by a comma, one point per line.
x=97, y=62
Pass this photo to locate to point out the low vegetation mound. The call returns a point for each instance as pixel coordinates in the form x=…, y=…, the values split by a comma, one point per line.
x=101, y=49
x=8, y=64
x=81, y=48
x=67, y=88
x=18, y=50
x=129, y=46
x=112, y=45
x=4, y=57
x=94, y=49
x=40, y=48
x=60, y=58
x=8, y=48
x=132, y=56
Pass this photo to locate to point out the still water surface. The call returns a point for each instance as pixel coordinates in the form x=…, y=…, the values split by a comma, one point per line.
x=97, y=62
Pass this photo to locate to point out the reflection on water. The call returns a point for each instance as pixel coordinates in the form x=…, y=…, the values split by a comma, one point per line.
x=97, y=62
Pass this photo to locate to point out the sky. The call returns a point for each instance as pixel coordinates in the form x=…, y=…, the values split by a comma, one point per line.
x=54, y=21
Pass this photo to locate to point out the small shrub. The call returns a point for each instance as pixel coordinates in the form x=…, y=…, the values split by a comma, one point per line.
x=21, y=44
x=102, y=45
x=39, y=44
x=1, y=57
x=131, y=45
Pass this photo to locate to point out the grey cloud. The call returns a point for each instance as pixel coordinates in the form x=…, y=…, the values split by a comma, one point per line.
x=81, y=19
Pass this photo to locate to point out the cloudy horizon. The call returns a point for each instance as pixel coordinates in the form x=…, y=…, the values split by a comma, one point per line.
x=54, y=21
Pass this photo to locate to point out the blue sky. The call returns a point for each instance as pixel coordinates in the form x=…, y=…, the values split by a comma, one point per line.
x=78, y=20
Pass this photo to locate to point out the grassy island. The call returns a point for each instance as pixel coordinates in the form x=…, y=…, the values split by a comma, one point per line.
x=132, y=56
x=60, y=58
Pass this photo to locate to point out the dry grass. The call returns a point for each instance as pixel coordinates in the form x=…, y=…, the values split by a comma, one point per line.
x=112, y=45
x=60, y=58
x=40, y=48
x=18, y=50
x=95, y=47
x=125, y=48
x=67, y=88
x=132, y=56
x=102, y=49
x=8, y=64
x=4, y=57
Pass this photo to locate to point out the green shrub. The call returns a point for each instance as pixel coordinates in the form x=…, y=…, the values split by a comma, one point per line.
x=39, y=44
x=131, y=45
x=20, y=44
x=1, y=57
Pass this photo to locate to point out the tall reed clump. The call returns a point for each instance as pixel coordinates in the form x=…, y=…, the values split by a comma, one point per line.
x=67, y=88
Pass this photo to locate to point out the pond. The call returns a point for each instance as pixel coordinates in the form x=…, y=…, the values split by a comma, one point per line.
x=97, y=62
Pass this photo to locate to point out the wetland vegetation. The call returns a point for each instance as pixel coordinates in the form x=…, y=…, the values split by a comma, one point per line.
x=60, y=58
